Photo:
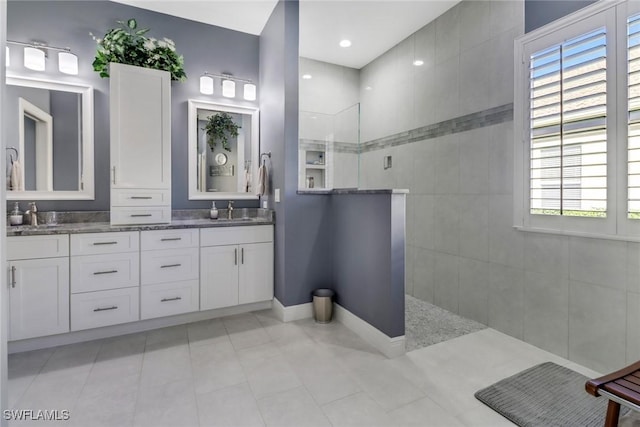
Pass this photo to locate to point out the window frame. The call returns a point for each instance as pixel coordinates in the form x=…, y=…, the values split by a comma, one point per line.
x=602, y=14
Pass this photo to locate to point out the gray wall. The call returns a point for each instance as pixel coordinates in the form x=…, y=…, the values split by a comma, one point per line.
x=368, y=252
x=303, y=223
x=204, y=47
x=540, y=12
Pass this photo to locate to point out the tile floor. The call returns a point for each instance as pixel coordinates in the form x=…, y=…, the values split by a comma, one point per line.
x=252, y=370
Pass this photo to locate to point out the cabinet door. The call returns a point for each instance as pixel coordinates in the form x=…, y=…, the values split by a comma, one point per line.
x=140, y=100
x=256, y=273
x=38, y=297
x=219, y=276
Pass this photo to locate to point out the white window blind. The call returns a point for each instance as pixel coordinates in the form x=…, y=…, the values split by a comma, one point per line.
x=568, y=124
x=633, y=117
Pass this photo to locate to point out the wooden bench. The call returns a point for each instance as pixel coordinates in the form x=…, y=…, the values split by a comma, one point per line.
x=620, y=387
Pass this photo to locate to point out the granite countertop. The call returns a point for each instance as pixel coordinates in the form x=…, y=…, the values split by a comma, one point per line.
x=102, y=227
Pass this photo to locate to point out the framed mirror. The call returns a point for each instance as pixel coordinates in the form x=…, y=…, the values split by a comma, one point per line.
x=223, y=151
x=49, y=140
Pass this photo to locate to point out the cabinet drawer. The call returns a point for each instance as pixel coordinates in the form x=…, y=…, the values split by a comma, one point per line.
x=102, y=272
x=30, y=247
x=167, y=299
x=168, y=239
x=169, y=265
x=103, y=308
x=236, y=235
x=140, y=215
x=136, y=197
x=104, y=243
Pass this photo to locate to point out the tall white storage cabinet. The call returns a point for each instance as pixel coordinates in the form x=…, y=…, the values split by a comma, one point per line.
x=140, y=108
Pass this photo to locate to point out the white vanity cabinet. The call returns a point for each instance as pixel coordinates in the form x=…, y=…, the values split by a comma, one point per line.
x=236, y=266
x=169, y=272
x=140, y=126
x=38, y=269
x=105, y=279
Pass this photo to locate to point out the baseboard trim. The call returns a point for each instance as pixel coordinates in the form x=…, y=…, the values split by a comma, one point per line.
x=130, y=328
x=390, y=347
x=292, y=312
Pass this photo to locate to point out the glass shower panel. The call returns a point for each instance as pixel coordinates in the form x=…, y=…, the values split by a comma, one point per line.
x=328, y=151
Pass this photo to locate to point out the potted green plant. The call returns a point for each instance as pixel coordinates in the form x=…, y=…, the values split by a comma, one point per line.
x=218, y=128
x=128, y=45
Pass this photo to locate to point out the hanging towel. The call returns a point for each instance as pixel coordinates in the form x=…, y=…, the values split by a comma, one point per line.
x=263, y=180
x=15, y=178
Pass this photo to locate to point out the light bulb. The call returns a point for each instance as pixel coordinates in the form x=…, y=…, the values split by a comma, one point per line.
x=34, y=59
x=67, y=63
x=249, y=91
x=206, y=85
x=228, y=88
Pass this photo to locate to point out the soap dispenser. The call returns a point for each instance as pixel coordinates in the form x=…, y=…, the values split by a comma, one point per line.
x=15, y=218
x=213, y=213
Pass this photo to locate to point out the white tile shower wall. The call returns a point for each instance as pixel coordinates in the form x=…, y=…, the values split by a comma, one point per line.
x=576, y=297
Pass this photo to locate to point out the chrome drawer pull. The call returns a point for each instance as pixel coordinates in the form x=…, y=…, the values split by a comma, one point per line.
x=13, y=276
x=136, y=215
x=115, y=307
x=169, y=239
x=235, y=256
x=170, y=265
x=170, y=299
x=141, y=197
x=242, y=256
x=105, y=272
x=104, y=243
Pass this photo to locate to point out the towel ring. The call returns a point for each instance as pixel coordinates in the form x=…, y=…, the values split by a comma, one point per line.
x=267, y=154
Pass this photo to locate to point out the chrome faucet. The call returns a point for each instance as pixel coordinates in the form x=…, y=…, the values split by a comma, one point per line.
x=32, y=214
x=230, y=210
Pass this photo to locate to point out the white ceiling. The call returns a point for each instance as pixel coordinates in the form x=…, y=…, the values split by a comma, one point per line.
x=372, y=26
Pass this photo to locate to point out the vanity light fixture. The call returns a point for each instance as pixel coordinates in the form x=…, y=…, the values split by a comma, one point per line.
x=35, y=55
x=34, y=58
x=68, y=63
x=206, y=85
x=228, y=85
x=345, y=43
x=228, y=88
x=249, y=91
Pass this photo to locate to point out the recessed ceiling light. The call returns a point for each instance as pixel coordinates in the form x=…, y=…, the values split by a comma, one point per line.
x=418, y=62
x=368, y=88
x=306, y=76
x=345, y=43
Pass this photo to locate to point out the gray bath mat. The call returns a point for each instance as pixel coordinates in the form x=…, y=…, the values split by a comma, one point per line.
x=547, y=395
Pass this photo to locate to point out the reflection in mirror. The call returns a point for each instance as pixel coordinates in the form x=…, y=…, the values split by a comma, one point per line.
x=223, y=151
x=50, y=140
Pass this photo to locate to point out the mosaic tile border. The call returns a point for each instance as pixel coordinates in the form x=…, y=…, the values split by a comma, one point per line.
x=330, y=146
x=480, y=119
